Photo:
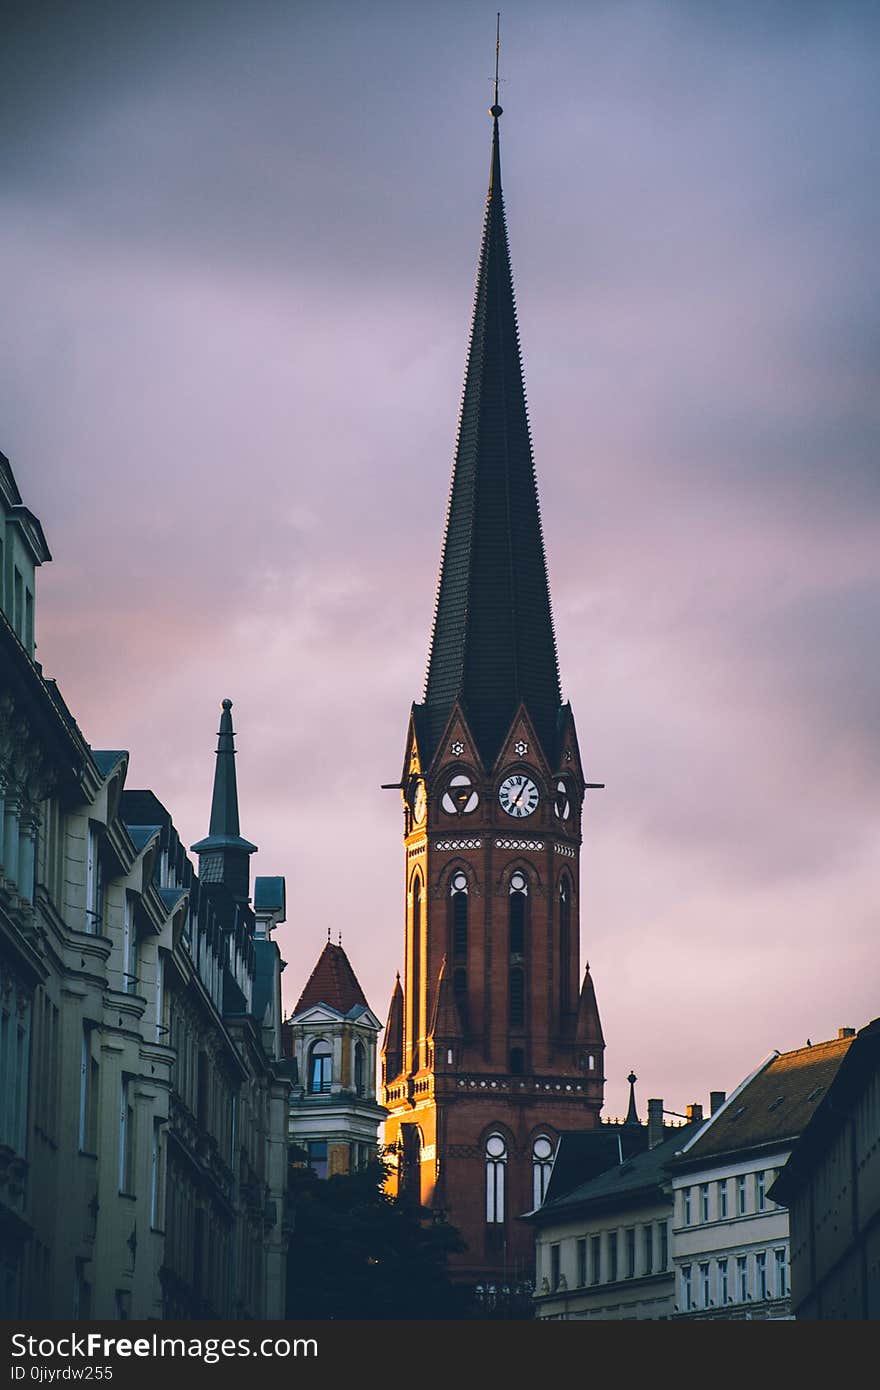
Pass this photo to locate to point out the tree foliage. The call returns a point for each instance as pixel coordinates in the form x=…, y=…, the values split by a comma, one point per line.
x=356, y=1253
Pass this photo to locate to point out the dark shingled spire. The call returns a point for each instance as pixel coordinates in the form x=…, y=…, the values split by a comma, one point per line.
x=224, y=857
x=493, y=644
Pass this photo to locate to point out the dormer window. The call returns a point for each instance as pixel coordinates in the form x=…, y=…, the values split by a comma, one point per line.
x=320, y=1068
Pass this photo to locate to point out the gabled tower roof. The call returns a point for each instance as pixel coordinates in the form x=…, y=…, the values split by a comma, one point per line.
x=492, y=643
x=332, y=982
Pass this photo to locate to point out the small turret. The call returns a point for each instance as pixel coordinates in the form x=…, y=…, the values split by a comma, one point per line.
x=224, y=856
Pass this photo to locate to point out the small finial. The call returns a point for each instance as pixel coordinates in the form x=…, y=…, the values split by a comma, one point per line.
x=340, y=938
x=328, y=933
x=227, y=704
x=496, y=110
x=632, y=1078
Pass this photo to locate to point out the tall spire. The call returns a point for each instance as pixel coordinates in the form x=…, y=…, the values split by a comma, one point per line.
x=224, y=857
x=492, y=644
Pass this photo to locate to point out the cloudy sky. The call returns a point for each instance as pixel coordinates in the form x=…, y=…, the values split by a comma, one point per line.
x=237, y=247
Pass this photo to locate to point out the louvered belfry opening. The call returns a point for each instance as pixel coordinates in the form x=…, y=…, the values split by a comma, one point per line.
x=493, y=644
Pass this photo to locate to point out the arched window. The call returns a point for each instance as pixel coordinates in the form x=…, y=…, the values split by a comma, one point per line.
x=458, y=891
x=496, y=1160
x=320, y=1067
x=564, y=945
x=459, y=990
x=518, y=893
x=517, y=997
x=517, y=1061
x=415, y=991
x=411, y=1161
x=542, y=1162
x=360, y=1068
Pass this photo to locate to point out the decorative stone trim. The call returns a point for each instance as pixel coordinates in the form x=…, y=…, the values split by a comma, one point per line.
x=458, y=844
x=519, y=844
x=566, y=850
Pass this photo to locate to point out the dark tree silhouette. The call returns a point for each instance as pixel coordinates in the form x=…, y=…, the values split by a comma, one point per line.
x=356, y=1253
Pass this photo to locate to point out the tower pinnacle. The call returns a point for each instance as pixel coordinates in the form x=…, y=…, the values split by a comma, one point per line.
x=492, y=645
x=224, y=856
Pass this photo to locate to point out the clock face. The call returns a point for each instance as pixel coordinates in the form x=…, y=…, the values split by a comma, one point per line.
x=419, y=803
x=459, y=798
x=518, y=794
x=562, y=804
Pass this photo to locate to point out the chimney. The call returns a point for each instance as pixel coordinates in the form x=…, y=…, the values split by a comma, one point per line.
x=655, y=1123
x=694, y=1112
x=716, y=1100
x=846, y=1032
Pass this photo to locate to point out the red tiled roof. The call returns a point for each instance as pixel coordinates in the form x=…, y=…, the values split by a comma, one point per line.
x=778, y=1104
x=332, y=982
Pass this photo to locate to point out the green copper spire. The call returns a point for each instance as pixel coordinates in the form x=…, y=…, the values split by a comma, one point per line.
x=223, y=855
x=492, y=644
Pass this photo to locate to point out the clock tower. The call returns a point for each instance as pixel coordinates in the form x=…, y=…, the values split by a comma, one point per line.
x=493, y=1045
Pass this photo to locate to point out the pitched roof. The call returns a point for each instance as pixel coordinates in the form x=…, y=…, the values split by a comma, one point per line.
x=492, y=644
x=640, y=1172
x=332, y=982
x=858, y=1069
x=774, y=1105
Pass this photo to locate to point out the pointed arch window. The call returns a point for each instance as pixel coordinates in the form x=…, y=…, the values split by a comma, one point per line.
x=542, y=1162
x=496, y=1166
x=458, y=892
x=564, y=944
x=416, y=989
x=459, y=990
x=360, y=1068
x=519, y=889
x=320, y=1067
x=517, y=997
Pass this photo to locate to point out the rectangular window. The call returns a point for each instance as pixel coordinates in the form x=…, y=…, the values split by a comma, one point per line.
x=29, y=620
x=664, y=1245
x=318, y=1157
x=649, y=1249
x=741, y=1195
x=612, y=1256
x=722, y=1200
x=781, y=1274
x=631, y=1253
x=126, y=1137
x=582, y=1262
x=761, y=1274
x=723, y=1283
x=554, y=1267
x=595, y=1259
x=742, y=1278
x=94, y=885
x=156, y=1220
x=687, y=1292
x=705, y=1300
x=760, y=1191
x=88, y=1095
x=686, y=1206
x=17, y=589
x=704, y=1201
x=129, y=949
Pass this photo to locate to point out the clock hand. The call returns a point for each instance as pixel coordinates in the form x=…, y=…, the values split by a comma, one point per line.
x=519, y=794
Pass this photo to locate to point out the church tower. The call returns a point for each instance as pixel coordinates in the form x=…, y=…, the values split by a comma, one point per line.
x=493, y=1046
